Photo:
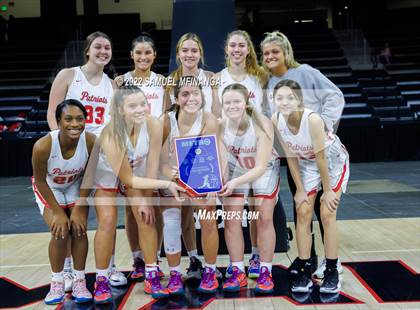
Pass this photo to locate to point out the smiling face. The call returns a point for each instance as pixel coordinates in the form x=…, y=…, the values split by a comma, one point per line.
x=143, y=56
x=189, y=54
x=286, y=101
x=72, y=122
x=237, y=49
x=135, y=108
x=190, y=99
x=100, y=51
x=234, y=104
x=273, y=56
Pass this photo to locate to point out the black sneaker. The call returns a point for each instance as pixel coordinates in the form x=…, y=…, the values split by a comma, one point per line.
x=314, y=263
x=294, y=267
x=195, y=268
x=302, y=282
x=331, y=283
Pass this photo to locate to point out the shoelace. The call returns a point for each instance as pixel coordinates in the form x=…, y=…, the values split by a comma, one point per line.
x=78, y=286
x=56, y=288
x=207, y=276
x=155, y=281
x=263, y=277
x=102, y=287
x=175, y=279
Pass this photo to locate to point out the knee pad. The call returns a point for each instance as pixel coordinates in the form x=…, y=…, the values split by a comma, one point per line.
x=172, y=230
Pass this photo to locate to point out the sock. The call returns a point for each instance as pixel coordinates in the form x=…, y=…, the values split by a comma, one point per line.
x=112, y=261
x=150, y=268
x=102, y=273
x=212, y=266
x=193, y=253
x=331, y=263
x=57, y=277
x=79, y=274
x=268, y=265
x=239, y=265
x=67, y=263
x=313, y=253
x=175, y=268
x=255, y=251
x=137, y=255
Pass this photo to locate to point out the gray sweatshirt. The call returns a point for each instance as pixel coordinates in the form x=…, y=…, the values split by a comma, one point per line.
x=319, y=93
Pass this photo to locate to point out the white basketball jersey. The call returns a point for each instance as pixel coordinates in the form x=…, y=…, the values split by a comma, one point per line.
x=250, y=82
x=95, y=98
x=242, y=149
x=62, y=173
x=152, y=88
x=137, y=155
x=195, y=130
x=301, y=143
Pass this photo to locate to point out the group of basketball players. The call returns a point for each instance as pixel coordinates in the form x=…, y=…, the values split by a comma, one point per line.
x=116, y=137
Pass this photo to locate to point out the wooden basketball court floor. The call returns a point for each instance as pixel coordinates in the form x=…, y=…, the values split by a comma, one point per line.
x=379, y=247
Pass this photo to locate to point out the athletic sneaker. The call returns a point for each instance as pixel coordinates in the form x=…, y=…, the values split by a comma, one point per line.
x=138, y=269
x=229, y=271
x=254, y=267
x=116, y=277
x=265, y=282
x=319, y=273
x=195, y=268
x=209, y=283
x=56, y=293
x=331, y=283
x=80, y=293
x=295, y=266
x=153, y=286
x=68, y=280
x=236, y=281
x=102, y=294
x=302, y=282
x=175, y=285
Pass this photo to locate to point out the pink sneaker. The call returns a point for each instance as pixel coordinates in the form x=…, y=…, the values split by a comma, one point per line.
x=56, y=293
x=80, y=292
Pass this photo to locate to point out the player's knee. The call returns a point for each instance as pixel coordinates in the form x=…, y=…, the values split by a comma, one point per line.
x=265, y=221
x=327, y=217
x=172, y=230
x=208, y=227
x=107, y=223
x=304, y=213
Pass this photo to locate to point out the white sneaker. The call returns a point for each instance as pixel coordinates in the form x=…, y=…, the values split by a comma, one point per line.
x=116, y=277
x=68, y=280
x=319, y=273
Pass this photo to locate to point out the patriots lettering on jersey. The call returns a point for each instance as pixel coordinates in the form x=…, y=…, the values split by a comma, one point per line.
x=58, y=171
x=92, y=98
x=237, y=150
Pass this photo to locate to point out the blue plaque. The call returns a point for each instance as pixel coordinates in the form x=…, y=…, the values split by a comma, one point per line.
x=198, y=164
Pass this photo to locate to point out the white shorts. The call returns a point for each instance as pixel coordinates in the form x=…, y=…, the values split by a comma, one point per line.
x=266, y=186
x=338, y=168
x=65, y=198
x=105, y=178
